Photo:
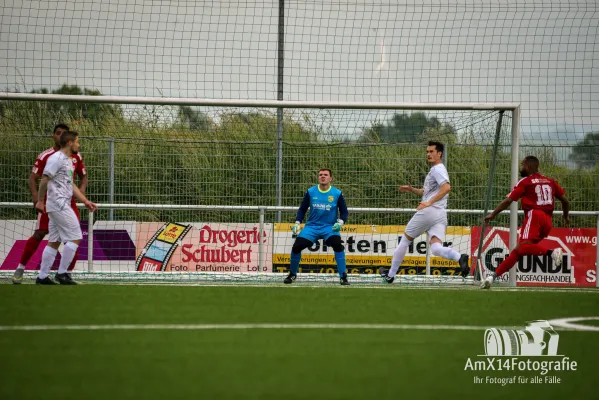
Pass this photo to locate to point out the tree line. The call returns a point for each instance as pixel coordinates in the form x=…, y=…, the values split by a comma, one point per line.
x=182, y=155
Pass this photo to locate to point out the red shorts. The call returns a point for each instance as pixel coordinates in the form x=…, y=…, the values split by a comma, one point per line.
x=536, y=226
x=43, y=221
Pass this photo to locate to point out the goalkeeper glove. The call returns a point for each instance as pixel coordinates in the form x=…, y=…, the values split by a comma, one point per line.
x=295, y=228
x=338, y=225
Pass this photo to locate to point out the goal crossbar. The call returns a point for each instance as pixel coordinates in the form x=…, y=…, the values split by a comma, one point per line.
x=255, y=103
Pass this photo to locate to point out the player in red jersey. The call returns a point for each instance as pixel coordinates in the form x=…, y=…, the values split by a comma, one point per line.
x=41, y=229
x=537, y=193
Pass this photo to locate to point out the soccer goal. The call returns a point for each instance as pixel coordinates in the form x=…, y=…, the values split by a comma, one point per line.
x=196, y=190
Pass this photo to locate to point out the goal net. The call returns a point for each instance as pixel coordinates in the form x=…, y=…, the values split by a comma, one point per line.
x=202, y=191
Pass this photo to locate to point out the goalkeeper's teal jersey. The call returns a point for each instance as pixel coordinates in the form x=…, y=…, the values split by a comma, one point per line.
x=324, y=206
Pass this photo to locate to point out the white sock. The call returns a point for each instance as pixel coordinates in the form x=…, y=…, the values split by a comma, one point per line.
x=21, y=266
x=68, y=253
x=446, y=252
x=398, y=255
x=48, y=257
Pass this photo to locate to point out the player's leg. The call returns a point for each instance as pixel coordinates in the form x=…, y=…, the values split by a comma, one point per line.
x=418, y=224
x=76, y=210
x=31, y=246
x=533, y=230
x=49, y=254
x=437, y=233
x=506, y=264
x=41, y=230
x=299, y=245
x=557, y=254
x=334, y=241
x=302, y=242
x=536, y=234
x=70, y=232
x=533, y=248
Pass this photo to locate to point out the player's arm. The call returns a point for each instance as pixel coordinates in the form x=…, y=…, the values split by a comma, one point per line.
x=33, y=187
x=343, y=213
x=442, y=179
x=443, y=190
x=301, y=212
x=81, y=197
x=36, y=173
x=303, y=208
x=502, y=206
x=565, y=207
x=82, y=173
x=41, y=193
x=82, y=183
x=48, y=172
x=512, y=196
x=409, y=188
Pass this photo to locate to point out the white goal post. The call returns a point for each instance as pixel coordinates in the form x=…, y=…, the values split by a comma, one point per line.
x=513, y=144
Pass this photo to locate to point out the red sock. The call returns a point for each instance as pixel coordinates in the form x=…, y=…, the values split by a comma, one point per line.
x=73, y=262
x=532, y=250
x=508, y=263
x=29, y=250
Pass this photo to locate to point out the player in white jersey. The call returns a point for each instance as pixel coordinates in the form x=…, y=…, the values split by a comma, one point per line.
x=57, y=180
x=431, y=216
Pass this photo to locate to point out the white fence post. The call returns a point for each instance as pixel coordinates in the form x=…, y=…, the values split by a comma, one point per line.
x=261, y=242
x=90, y=241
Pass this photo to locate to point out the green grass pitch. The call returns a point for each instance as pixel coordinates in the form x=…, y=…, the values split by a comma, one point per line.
x=274, y=363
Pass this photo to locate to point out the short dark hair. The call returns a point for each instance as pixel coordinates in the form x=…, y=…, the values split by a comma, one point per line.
x=532, y=162
x=326, y=169
x=438, y=146
x=60, y=126
x=67, y=137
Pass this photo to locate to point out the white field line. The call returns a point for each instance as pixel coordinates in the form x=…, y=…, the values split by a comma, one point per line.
x=561, y=324
x=571, y=324
x=241, y=327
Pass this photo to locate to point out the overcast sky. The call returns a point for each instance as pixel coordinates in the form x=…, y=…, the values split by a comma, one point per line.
x=542, y=54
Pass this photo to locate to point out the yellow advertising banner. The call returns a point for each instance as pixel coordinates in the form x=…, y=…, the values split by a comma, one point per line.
x=367, y=248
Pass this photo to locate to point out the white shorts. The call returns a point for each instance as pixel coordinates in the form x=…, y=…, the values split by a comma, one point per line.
x=432, y=220
x=64, y=226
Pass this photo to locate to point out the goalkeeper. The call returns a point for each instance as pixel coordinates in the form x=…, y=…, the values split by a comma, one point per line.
x=324, y=201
